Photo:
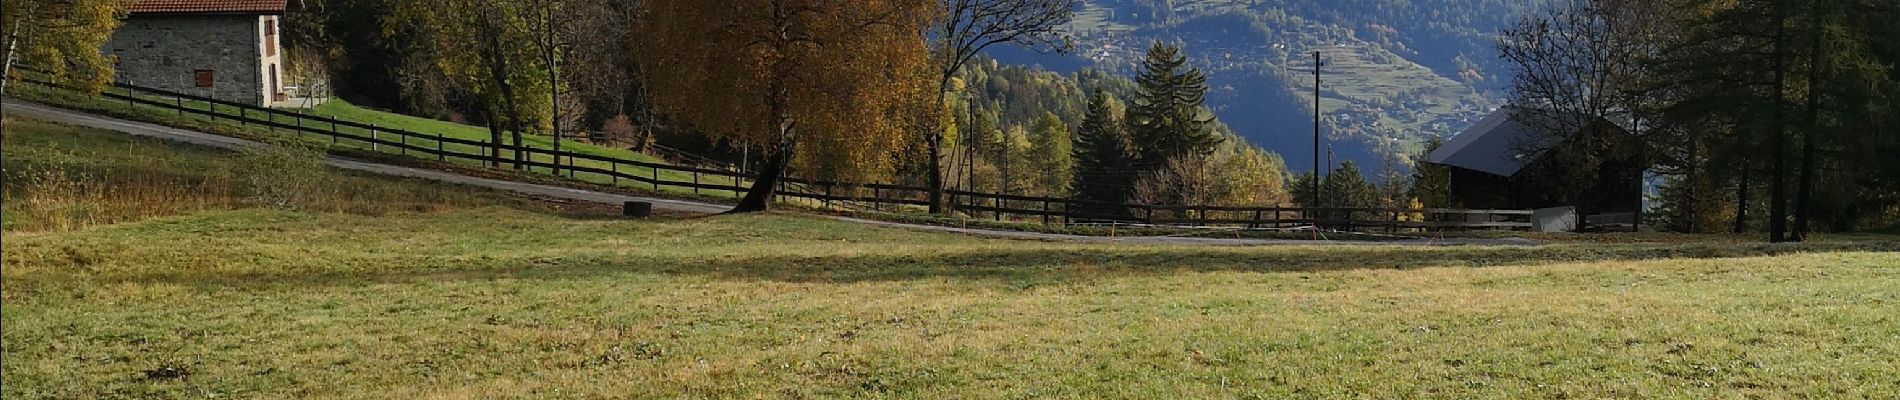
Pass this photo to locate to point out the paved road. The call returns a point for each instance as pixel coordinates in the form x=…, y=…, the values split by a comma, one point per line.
x=14, y=107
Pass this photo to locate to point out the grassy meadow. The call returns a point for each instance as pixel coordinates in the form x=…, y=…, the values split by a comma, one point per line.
x=484, y=295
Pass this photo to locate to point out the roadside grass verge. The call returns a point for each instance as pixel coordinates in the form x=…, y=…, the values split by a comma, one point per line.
x=426, y=126
x=60, y=177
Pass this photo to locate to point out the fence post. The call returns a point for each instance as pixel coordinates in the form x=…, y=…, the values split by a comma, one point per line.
x=242, y=116
x=180, y=105
x=213, y=111
x=404, y=138
x=333, y=130
x=372, y=139
x=299, y=129
x=695, y=181
x=615, y=167
x=877, y=198
x=439, y=154
x=1045, y=212
x=827, y=202
x=656, y=178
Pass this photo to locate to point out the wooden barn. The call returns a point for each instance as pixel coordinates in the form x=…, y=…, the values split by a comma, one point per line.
x=1504, y=163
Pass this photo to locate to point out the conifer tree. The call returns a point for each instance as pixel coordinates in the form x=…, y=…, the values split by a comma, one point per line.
x=1166, y=118
x=1101, y=155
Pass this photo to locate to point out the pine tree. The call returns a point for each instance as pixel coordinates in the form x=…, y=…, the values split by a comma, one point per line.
x=1101, y=156
x=1431, y=183
x=1167, y=119
x=1346, y=187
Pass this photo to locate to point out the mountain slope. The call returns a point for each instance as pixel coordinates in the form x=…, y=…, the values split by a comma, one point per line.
x=1397, y=72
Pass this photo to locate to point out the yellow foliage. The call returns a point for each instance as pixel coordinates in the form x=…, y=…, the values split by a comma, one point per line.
x=836, y=82
x=63, y=37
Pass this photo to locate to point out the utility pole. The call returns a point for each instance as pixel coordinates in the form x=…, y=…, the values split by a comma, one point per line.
x=1317, y=173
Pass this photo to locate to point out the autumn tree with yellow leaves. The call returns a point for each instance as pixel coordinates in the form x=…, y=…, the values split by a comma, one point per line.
x=826, y=87
x=61, y=37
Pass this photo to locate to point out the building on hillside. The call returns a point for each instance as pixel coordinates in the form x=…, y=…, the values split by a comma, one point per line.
x=1503, y=163
x=223, y=49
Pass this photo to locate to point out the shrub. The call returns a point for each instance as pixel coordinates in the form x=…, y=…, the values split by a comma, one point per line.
x=285, y=175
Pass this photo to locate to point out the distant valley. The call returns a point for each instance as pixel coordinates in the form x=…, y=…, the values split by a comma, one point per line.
x=1396, y=74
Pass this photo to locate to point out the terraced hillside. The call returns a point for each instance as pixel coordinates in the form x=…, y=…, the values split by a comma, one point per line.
x=1397, y=73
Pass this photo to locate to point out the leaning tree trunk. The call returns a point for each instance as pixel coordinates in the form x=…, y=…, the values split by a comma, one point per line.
x=935, y=142
x=763, y=186
x=766, y=183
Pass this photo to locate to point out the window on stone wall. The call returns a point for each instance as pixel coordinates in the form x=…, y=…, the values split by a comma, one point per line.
x=204, y=78
x=270, y=37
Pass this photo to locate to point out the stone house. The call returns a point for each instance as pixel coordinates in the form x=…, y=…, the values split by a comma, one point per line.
x=224, y=49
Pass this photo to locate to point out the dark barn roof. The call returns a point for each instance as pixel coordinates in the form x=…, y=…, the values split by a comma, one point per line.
x=208, y=7
x=1497, y=145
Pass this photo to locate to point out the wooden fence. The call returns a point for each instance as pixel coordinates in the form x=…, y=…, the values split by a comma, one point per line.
x=828, y=194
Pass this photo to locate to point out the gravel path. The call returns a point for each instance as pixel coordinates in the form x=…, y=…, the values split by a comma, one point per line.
x=15, y=107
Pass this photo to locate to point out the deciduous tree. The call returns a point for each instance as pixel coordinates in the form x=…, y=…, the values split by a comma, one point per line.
x=472, y=45
x=61, y=37
x=967, y=27
x=828, y=86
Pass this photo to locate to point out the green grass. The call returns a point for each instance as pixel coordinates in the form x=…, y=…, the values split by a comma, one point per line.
x=343, y=110
x=59, y=177
x=489, y=300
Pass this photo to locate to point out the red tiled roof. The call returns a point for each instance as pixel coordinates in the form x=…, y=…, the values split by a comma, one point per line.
x=208, y=6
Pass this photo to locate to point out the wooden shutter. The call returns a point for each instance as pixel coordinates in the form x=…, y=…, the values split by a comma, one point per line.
x=270, y=37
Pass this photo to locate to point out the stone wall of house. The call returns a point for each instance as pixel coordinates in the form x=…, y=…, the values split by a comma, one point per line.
x=169, y=51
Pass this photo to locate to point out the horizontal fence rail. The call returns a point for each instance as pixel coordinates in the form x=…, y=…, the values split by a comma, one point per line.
x=864, y=196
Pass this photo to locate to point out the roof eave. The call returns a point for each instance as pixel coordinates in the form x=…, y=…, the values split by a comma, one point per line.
x=203, y=13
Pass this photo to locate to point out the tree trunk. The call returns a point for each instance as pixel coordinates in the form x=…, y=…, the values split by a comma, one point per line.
x=494, y=136
x=520, y=156
x=554, y=111
x=934, y=140
x=1777, y=192
x=12, y=49
x=760, y=195
x=1741, y=200
x=1694, y=205
x=498, y=71
x=1804, y=198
